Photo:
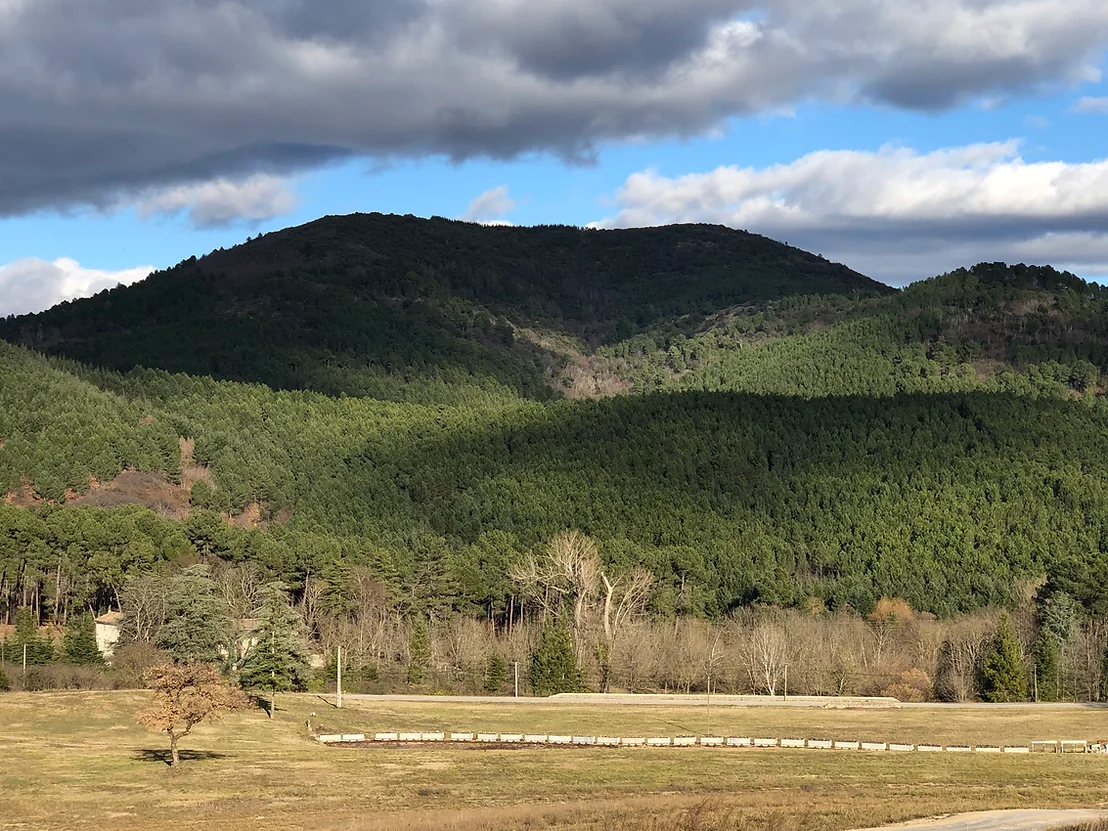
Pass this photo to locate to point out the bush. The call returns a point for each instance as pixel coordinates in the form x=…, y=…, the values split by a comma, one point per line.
x=65, y=677
x=4, y=687
x=131, y=661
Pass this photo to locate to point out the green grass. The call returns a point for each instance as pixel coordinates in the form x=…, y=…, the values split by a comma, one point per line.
x=78, y=760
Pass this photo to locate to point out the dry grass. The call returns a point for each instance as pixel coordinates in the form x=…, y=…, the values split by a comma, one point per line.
x=78, y=760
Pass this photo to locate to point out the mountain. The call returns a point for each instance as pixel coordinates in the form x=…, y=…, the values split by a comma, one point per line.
x=431, y=400
x=364, y=304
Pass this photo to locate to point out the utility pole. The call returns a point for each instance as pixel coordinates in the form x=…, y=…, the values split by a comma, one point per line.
x=515, y=666
x=24, y=666
x=785, y=691
x=338, y=686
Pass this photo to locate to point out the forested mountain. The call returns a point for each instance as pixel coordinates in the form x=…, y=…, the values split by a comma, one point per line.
x=384, y=305
x=428, y=400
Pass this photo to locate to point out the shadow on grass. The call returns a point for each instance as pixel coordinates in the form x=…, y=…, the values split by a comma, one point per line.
x=164, y=756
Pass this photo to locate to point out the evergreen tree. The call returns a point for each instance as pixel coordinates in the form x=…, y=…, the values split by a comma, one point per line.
x=278, y=659
x=40, y=649
x=1005, y=678
x=554, y=665
x=79, y=641
x=419, y=652
x=196, y=627
x=4, y=685
x=1047, y=674
x=496, y=673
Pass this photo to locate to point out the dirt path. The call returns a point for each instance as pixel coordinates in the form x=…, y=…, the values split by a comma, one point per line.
x=1020, y=820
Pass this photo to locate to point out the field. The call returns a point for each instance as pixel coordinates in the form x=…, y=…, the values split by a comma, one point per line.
x=78, y=760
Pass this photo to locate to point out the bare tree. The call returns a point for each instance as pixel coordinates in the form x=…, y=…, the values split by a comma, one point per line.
x=624, y=598
x=567, y=572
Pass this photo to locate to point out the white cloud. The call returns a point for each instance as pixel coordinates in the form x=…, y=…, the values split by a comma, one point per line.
x=31, y=285
x=222, y=202
x=490, y=207
x=124, y=96
x=1091, y=105
x=897, y=214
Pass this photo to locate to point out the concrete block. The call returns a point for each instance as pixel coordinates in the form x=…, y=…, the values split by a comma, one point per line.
x=353, y=737
x=637, y=741
x=711, y=741
x=929, y=748
x=792, y=742
x=957, y=748
x=820, y=744
x=765, y=742
x=385, y=737
x=1016, y=749
x=409, y=737
x=659, y=741
x=902, y=747
x=488, y=737
x=608, y=741
x=848, y=745
x=331, y=738
x=733, y=741
x=559, y=739
x=532, y=738
x=461, y=737
x=584, y=739
x=983, y=749
x=511, y=738
x=874, y=746
x=684, y=741
x=433, y=737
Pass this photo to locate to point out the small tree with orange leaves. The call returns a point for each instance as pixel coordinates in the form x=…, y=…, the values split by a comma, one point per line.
x=184, y=696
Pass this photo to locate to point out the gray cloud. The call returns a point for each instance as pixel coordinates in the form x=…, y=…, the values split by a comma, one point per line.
x=221, y=202
x=490, y=207
x=101, y=100
x=898, y=215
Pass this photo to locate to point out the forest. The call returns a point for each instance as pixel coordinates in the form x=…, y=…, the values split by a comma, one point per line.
x=400, y=405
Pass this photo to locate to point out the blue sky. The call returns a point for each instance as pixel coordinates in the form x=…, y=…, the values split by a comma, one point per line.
x=906, y=150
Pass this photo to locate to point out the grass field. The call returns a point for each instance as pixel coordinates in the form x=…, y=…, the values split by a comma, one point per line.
x=78, y=760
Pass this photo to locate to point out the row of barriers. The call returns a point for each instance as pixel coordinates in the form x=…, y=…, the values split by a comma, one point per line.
x=1052, y=746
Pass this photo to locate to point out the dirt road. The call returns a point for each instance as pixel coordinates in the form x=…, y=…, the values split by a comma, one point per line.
x=1021, y=820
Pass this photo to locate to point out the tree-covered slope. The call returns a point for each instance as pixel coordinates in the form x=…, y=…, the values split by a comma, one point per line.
x=369, y=304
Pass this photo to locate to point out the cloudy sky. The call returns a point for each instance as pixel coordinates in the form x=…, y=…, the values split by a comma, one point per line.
x=902, y=137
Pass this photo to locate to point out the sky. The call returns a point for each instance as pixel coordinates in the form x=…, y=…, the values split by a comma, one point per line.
x=904, y=138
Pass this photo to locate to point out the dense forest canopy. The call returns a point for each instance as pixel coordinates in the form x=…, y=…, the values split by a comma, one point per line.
x=429, y=400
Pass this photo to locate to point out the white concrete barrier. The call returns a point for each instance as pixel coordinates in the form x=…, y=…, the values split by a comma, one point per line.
x=711, y=741
x=461, y=737
x=584, y=739
x=820, y=744
x=511, y=738
x=608, y=741
x=409, y=737
x=792, y=742
x=929, y=748
x=765, y=742
x=331, y=738
x=875, y=746
x=957, y=748
x=559, y=739
x=534, y=738
x=385, y=737
x=735, y=741
x=1017, y=749
x=901, y=747
x=684, y=741
x=488, y=737
x=434, y=737
x=353, y=737
x=637, y=741
x=659, y=741
x=847, y=745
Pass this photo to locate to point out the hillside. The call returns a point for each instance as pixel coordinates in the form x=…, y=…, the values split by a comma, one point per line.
x=395, y=306
x=810, y=434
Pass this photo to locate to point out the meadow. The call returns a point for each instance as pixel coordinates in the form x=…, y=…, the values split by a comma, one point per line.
x=79, y=760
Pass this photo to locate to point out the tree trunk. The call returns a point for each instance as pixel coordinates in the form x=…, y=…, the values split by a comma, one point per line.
x=174, y=757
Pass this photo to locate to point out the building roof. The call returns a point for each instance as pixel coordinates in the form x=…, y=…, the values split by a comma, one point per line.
x=111, y=618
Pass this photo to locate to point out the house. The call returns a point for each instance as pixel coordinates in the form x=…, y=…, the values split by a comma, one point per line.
x=109, y=628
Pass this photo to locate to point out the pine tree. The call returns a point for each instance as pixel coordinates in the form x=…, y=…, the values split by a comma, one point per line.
x=1004, y=674
x=496, y=673
x=40, y=649
x=278, y=659
x=553, y=664
x=196, y=627
x=419, y=652
x=79, y=641
x=1047, y=675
